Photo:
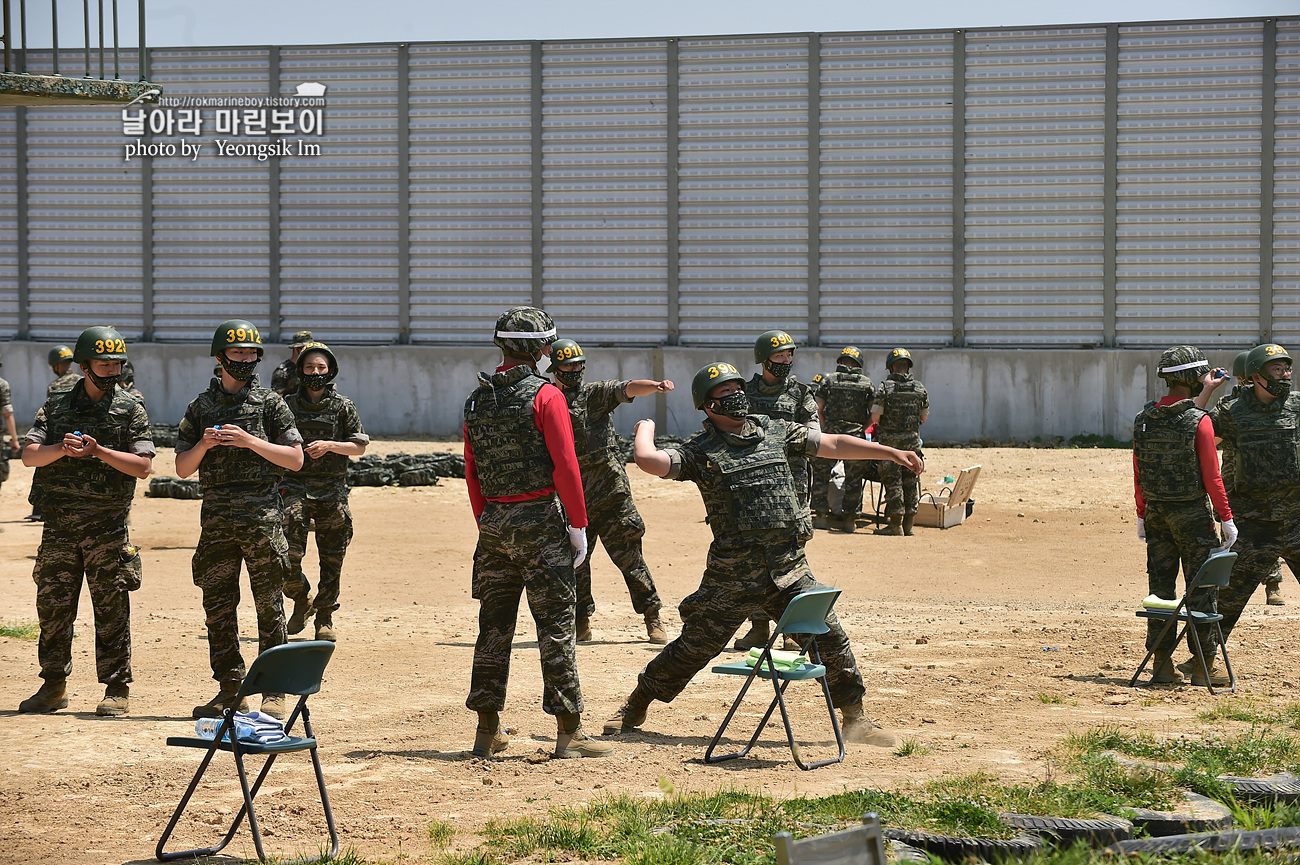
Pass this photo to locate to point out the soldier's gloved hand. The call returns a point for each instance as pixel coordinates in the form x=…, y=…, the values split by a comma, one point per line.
x=1229, y=534
x=1142, y=529
x=578, y=542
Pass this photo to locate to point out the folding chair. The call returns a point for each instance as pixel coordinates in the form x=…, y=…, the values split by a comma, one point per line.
x=1217, y=571
x=861, y=845
x=804, y=616
x=293, y=668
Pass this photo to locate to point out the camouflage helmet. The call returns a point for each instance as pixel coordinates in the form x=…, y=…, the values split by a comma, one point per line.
x=710, y=377
x=58, y=355
x=301, y=339
x=770, y=342
x=99, y=343
x=1239, y=365
x=850, y=354
x=236, y=333
x=565, y=351
x=1262, y=354
x=323, y=349
x=524, y=330
x=1185, y=364
x=897, y=355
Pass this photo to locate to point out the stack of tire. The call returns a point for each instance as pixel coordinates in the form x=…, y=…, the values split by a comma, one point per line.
x=164, y=435
x=406, y=470
x=174, y=488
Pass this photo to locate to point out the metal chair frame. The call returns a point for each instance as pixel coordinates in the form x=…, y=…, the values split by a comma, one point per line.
x=1216, y=571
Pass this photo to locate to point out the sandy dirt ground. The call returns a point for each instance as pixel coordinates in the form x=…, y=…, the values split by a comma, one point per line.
x=961, y=635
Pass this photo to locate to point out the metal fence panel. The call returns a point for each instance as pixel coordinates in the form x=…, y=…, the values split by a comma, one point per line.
x=1286, y=188
x=743, y=191
x=886, y=189
x=1188, y=207
x=471, y=188
x=338, y=210
x=8, y=223
x=1035, y=113
x=605, y=190
x=211, y=228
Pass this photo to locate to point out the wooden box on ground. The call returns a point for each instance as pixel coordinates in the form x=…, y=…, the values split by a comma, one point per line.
x=947, y=509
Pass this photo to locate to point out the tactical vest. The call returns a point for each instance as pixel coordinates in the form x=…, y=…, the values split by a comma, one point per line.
x=228, y=467
x=509, y=450
x=70, y=482
x=782, y=404
x=593, y=438
x=846, y=398
x=1164, y=445
x=1229, y=469
x=754, y=489
x=318, y=422
x=1268, y=442
x=906, y=400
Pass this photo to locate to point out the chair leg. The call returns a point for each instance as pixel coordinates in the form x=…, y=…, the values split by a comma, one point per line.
x=789, y=730
x=1132, y=683
x=717, y=737
x=320, y=784
x=180, y=809
x=1199, y=652
x=1232, y=677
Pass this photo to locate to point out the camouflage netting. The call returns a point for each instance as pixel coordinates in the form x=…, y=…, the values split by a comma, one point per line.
x=174, y=488
x=407, y=470
x=164, y=435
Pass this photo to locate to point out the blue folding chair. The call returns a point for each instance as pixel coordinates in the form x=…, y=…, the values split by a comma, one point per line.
x=1217, y=571
x=292, y=668
x=805, y=616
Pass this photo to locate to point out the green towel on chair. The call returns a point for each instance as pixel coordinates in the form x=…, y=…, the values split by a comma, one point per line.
x=1155, y=602
x=784, y=661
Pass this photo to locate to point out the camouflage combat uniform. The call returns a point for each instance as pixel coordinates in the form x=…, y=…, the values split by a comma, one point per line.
x=1179, y=519
x=612, y=516
x=1265, y=445
x=790, y=400
x=756, y=562
x=284, y=378
x=86, y=503
x=523, y=546
x=65, y=382
x=319, y=491
x=6, y=407
x=901, y=402
x=846, y=397
x=241, y=519
x=1229, y=471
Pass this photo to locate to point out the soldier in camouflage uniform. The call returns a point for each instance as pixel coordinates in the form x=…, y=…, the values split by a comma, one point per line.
x=612, y=516
x=844, y=398
x=776, y=393
x=240, y=438
x=901, y=407
x=741, y=464
x=6, y=407
x=60, y=361
x=525, y=489
x=88, y=445
x=284, y=379
x=1175, y=480
x=128, y=382
x=331, y=432
x=1262, y=428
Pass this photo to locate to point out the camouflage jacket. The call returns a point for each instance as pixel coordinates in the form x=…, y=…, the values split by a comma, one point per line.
x=1264, y=441
x=118, y=421
x=846, y=399
x=284, y=378
x=789, y=400
x=237, y=480
x=600, y=458
x=1229, y=468
x=6, y=406
x=901, y=402
x=65, y=382
x=1164, y=446
x=333, y=419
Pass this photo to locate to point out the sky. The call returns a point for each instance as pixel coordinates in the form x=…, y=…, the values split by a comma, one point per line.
x=314, y=22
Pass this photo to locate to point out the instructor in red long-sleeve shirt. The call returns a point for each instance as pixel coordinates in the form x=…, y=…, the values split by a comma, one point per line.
x=1178, y=489
x=526, y=492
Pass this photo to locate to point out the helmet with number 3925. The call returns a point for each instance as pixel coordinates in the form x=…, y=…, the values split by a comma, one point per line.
x=99, y=343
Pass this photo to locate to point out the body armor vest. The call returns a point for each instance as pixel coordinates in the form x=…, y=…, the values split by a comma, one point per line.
x=1164, y=444
x=70, y=482
x=753, y=490
x=781, y=404
x=236, y=467
x=593, y=439
x=509, y=450
x=1268, y=442
x=318, y=422
x=846, y=398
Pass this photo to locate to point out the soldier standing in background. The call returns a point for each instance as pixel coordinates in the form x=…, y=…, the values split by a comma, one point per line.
x=284, y=379
x=239, y=437
x=612, y=516
x=128, y=382
x=60, y=361
x=88, y=445
x=845, y=398
x=901, y=407
x=524, y=486
x=6, y=407
x=331, y=432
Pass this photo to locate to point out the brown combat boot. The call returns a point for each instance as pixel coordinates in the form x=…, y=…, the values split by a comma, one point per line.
x=52, y=696
x=857, y=728
x=217, y=705
x=582, y=629
x=489, y=742
x=1218, y=676
x=760, y=631
x=821, y=521
x=571, y=742
x=893, y=527
x=273, y=705
x=907, y=524
x=298, y=618
x=654, y=629
x=117, y=700
x=1167, y=674
x=629, y=716
x=1273, y=595
x=325, y=627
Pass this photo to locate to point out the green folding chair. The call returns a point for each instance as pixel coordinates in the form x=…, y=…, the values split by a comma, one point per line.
x=862, y=845
x=1217, y=571
x=805, y=616
x=293, y=668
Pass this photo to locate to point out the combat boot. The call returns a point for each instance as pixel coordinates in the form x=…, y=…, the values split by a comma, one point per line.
x=571, y=742
x=298, y=618
x=273, y=705
x=790, y=643
x=907, y=524
x=582, y=629
x=1218, y=676
x=857, y=728
x=654, y=628
x=217, y=705
x=893, y=527
x=117, y=700
x=52, y=696
x=821, y=521
x=488, y=742
x=1167, y=674
x=630, y=715
x=1273, y=595
x=760, y=631
x=325, y=627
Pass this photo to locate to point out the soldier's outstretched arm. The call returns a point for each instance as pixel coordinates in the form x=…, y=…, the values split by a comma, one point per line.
x=645, y=387
x=649, y=458
x=846, y=447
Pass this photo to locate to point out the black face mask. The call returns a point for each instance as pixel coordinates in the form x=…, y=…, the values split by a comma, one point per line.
x=315, y=380
x=103, y=382
x=733, y=405
x=1279, y=387
x=780, y=370
x=239, y=370
x=571, y=379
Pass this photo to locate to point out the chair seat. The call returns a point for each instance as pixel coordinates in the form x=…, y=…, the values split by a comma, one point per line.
x=292, y=743
x=804, y=671
x=1194, y=615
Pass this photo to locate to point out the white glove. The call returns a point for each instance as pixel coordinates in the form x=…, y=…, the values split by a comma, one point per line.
x=578, y=542
x=1142, y=529
x=1229, y=534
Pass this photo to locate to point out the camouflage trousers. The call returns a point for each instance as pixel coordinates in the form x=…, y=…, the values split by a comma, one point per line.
x=1180, y=532
x=902, y=488
x=523, y=548
x=759, y=579
x=1258, y=548
x=333, y=534
x=856, y=475
x=1274, y=576
x=821, y=484
x=74, y=544
x=225, y=542
x=617, y=524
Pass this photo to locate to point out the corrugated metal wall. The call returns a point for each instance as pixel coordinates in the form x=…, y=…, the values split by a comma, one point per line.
x=1286, y=179
x=8, y=223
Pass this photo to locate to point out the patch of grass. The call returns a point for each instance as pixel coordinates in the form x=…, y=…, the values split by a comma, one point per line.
x=1050, y=699
x=1250, y=753
x=912, y=747
x=1092, y=440
x=1250, y=711
x=21, y=629
x=440, y=833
